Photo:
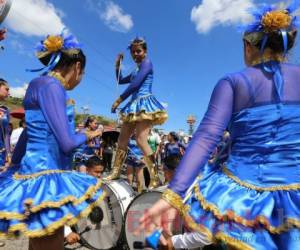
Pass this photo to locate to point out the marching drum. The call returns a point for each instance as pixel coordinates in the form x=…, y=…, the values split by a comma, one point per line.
x=102, y=229
x=137, y=208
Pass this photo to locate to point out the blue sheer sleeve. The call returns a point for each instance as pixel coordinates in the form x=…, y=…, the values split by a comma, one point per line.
x=206, y=138
x=52, y=101
x=145, y=69
x=122, y=80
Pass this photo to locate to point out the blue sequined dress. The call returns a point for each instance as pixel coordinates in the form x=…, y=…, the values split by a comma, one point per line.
x=143, y=105
x=252, y=201
x=42, y=193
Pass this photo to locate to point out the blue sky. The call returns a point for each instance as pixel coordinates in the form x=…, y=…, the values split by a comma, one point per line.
x=191, y=43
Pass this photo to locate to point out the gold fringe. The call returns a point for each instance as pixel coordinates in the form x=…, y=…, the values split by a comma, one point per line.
x=198, y=227
x=50, y=204
x=230, y=215
x=55, y=204
x=257, y=188
x=68, y=219
x=12, y=216
x=174, y=199
x=156, y=118
x=17, y=176
x=232, y=242
x=220, y=236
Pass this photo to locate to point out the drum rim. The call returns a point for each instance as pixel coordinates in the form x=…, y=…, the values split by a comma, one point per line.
x=127, y=210
x=85, y=242
x=116, y=192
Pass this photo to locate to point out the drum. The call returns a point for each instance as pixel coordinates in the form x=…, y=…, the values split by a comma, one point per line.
x=102, y=229
x=4, y=9
x=137, y=208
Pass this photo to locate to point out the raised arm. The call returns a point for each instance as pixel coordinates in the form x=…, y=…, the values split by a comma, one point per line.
x=206, y=138
x=136, y=82
x=52, y=101
x=122, y=80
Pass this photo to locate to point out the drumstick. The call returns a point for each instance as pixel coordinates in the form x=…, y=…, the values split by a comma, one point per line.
x=189, y=191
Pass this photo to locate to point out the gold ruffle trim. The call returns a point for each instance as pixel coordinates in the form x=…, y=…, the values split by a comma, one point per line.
x=220, y=236
x=17, y=176
x=174, y=199
x=156, y=118
x=29, y=208
x=69, y=219
x=230, y=215
x=232, y=242
x=257, y=188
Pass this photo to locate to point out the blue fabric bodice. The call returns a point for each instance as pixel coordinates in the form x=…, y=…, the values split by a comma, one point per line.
x=146, y=87
x=43, y=152
x=266, y=145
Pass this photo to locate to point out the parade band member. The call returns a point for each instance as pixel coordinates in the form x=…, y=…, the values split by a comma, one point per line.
x=41, y=194
x=252, y=201
x=4, y=125
x=140, y=113
x=135, y=164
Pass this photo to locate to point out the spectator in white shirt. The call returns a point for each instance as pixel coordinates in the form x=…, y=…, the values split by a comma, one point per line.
x=16, y=134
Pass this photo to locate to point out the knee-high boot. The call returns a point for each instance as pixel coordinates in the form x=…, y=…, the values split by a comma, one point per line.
x=117, y=166
x=150, y=163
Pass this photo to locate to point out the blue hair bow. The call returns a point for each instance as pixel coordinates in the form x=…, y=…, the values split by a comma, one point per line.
x=69, y=43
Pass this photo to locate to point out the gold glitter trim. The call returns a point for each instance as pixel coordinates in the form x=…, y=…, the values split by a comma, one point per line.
x=175, y=200
x=17, y=176
x=232, y=242
x=58, y=76
x=156, y=118
x=257, y=188
x=29, y=208
x=69, y=219
x=220, y=236
x=230, y=215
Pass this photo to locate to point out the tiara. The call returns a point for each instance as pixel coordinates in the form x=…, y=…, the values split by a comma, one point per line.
x=137, y=40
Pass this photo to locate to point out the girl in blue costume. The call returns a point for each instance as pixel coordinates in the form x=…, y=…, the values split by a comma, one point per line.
x=41, y=194
x=253, y=200
x=140, y=113
x=4, y=125
x=135, y=164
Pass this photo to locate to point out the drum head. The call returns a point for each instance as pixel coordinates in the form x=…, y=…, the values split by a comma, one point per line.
x=106, y=233
x=135, y=211
x=4, y=9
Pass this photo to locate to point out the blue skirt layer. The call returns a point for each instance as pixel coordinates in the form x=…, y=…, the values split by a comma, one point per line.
x=242, y=217
x=144, y=108
x=40, y=204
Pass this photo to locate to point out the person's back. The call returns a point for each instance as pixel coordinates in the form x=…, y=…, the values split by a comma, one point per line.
x=252, y=200
x=265, y=127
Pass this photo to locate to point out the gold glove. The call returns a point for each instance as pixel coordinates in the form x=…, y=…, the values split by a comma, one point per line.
x=116, y=104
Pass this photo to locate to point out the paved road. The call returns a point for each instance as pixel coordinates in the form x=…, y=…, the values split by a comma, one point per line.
x=21, y=244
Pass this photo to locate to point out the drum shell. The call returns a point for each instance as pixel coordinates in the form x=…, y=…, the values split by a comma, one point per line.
x=108, y=233
x=135, y=211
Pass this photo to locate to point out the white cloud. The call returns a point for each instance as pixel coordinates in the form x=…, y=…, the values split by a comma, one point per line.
x=35, y=18
x=116, y=19
x=211, y=13
x=112, y=14
x=18, y=91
